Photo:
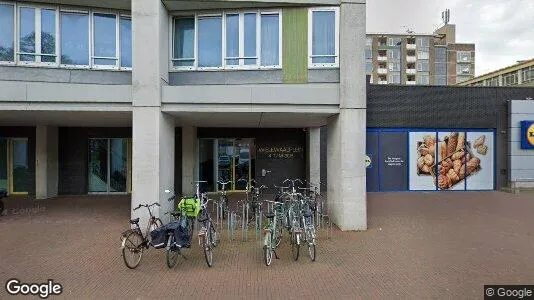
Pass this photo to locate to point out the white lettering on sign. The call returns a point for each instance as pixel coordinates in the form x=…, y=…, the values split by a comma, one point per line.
x=394, y=161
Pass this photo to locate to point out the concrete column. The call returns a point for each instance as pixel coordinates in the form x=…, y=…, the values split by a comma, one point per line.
x=189, y=154
x=346, y=131
x=314, y=156
x=519, y=77
x=46, y=162
x=152, y=159
x=152, y=130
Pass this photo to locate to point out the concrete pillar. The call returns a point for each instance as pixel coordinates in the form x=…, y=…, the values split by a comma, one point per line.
x=314, y=156
x=46, y=162
x=346, y=131
x=189, y=154
x=152, y=159
x=152, y=130
x=519, y=77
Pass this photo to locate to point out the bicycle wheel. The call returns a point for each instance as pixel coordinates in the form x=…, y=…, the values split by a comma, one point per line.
x=295, y=247
x=267, y=250
x=206, y=244
x=132, y=249
x=311, y=250
x=214, y=235
x=172, y=254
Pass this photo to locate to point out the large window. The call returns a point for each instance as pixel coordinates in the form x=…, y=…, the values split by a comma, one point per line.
x=323, y=37
x=397, y=41
x=7, y=31
x=394, y=66
x=422, y=42
x=37, y=33
x=509, y=79
x=227, y=40
x=423, y=79
x=462, y=69
x=394, y=54
x=32, y=34
x=463, y=56
x=394, y=78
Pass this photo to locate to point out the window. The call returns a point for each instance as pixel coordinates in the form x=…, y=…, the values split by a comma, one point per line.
x=463, y=69
x=125, y=33
x=228, y=40
x=394, y=54
x=422, y=54
x=394, y=78
x=509, y=79
x=422, y=66
x=440, y=69
x=37, y=35
x=270, y=41
x=7, y=31
x=34, y=34
x=394, y=42
x=394, y=66
x=368, y=66
x=74, y=38
x=440, y=54
x=323, y=36
x=422, y=42
x=369, y=42
x=209, y=42
x=493, y=81
x=105, y=39
x=440, y=80
x=463, y=56
x=528, y=74
x=422, y=79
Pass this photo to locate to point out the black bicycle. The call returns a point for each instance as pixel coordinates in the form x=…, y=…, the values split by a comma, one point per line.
x=208, y=237
x=134, y=242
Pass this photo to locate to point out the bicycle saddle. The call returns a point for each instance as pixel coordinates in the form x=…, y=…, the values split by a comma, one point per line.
x=134, y=221
x=269, y=215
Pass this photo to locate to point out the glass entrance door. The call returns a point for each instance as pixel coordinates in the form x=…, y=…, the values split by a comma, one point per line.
x=108, y=165
x=226, y=160
x=14, y=165
x=3, y=164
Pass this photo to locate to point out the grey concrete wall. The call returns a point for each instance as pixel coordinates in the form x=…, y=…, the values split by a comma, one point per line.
x=237, y=77
x=301, y=94
x=314, y=156
x=46, y=162
x=189, y=154
x=20, y=91
x=60, y=75
x=521, y=161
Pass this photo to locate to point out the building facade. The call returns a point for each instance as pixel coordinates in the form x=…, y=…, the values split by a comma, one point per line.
x=519, y=74
x=419, y=59
x=140, y=96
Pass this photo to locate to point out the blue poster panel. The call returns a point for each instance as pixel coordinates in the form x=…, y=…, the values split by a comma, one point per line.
x=393, y=152
x=527, y=134
x=479, y=168
x=372, y=164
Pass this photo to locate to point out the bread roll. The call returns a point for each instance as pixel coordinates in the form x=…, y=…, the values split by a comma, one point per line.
x=451, y=143
x=453, y=176
x=458, y=155
x=461, y=141
x=457, y=166
x=479, y=141
x=429, y=160
x=430, y=141
x=442, y=150
x=444, y=182
x=482, y=149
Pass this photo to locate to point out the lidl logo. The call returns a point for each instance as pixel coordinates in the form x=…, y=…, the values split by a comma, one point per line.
x=527, y=134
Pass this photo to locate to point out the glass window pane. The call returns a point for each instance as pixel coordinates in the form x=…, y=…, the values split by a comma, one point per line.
x=232, y=39
x=184, y=39
x=74, y=38
x=270, y=40
x=118, y=168
x=27, y=33
x=98, y=165
x=6, y=32
x=441, y=54
x=126, y=42
x=20, y=161
x=48, y=35
x=105, y=43
x=209, y=42
x=323, y=36
x=250, y=39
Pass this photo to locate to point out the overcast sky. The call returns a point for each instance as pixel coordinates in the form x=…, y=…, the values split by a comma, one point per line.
x=502, y=30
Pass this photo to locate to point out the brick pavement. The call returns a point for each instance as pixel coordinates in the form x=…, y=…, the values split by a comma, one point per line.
x=419, y=245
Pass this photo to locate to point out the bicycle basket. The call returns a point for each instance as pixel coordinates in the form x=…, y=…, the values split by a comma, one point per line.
x=159, y=237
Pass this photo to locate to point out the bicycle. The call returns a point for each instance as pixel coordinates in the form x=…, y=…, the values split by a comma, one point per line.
x=134, y=242
x=307, y=206
x=293, y=217
x=208, y=237
x=184, y=217
x=273, y=232
x=223, y=200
